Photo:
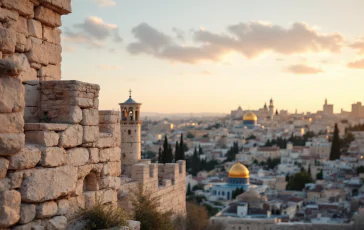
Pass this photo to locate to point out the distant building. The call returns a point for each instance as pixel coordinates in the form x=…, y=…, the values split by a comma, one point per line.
x=357, y=110
x=328, y=109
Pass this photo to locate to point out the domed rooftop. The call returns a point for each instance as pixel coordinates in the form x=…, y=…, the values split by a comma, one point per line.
x=250, y=116
x=239, y=171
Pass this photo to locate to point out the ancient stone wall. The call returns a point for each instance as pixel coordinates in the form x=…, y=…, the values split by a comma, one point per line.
x=29, y=35
x=166, y=181
x=67, y=162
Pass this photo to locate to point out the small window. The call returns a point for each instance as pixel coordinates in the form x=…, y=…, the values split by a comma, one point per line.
x=129, y=132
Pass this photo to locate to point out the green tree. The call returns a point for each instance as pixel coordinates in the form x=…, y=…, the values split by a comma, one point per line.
x=237, y=192
x=298, y=180
x=360, y=169
x=160, y=155
x=176, y=153
x=189, y=192
x=166, y=153
x=319, y=175
x=182, y=149
x=335, y=145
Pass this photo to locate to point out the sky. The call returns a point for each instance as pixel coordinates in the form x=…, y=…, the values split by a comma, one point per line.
x=212, y=56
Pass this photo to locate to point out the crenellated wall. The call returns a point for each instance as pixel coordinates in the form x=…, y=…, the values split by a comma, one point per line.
x=166, y=181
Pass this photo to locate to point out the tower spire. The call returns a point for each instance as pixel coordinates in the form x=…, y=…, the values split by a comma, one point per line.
x=130, y=93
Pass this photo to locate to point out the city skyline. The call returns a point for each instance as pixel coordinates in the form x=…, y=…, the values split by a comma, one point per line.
x=215, y=60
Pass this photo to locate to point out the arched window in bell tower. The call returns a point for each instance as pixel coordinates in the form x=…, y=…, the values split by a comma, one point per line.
x=136, y=115
x=130, y=115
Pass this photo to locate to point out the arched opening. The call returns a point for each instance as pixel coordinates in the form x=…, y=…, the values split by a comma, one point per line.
x=130, y=115
x=124, y=115
x=91, y=182
x=129, y=132
x=137, y=115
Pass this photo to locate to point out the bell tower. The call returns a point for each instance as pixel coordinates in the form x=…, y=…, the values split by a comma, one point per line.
x=130, y=125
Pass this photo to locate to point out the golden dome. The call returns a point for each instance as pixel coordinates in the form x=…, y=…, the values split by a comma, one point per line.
x=239, y=171
x=250, y=116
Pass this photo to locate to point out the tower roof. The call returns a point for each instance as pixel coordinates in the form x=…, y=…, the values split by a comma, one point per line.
x=130, y=100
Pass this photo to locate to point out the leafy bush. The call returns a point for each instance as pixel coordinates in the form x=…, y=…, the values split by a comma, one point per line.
x=101, y=216
x=146, y=211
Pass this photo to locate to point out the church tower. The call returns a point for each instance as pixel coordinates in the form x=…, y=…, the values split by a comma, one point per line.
x=271, y=109
x=130, y=125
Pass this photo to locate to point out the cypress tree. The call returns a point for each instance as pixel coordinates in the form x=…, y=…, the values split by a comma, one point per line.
x=177, y=152
x=169, y=158
x=160, y=155
x=182, y=149
x=335, y=145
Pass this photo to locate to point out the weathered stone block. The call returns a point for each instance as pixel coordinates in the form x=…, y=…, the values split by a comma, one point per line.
x=7, y=40
x=110, y=182
x=6, y=15
x=11, y=122
x=16, y=178
x=71, y=137
x=27, y=73
x=22, y=26
x=9, y=208
x=105, y=142
x=44, y=138
x=63, y=206
x=35, y=28
x=27, y=158
x=5, y=184
x=46, y=209
x=23, y=7
x=32, y=95
x=60, y=6
x=12, y=95
x=57, y=223
x=110, y=154
x=115, y=168
x=53, y=157
x=27, y=213
x=69, y=114
x=77, y=156
x=52, y=35
x=21, y=43
x=90, y=117
x=50, y=72
x=11, y=143
x=48, y=184
x=4, y=164
x=90, y=133
x=94, y=155
x=47, y=16
x=82, y=102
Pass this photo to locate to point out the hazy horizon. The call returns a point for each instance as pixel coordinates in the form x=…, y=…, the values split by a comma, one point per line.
x=212, y=56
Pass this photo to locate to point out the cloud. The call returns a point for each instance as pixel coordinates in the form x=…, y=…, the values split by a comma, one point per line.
x=108, y=67
x=93, y=32
x=249, y=39
x=359, y=64
x=106, y=3
x=359, y=46
x=303, y=69
x=180, y=34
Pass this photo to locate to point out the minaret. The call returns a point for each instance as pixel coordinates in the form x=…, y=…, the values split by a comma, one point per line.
x=271, y=109
x=130, y=125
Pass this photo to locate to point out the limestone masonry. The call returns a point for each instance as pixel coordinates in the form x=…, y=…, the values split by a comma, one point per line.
x=58, y=151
